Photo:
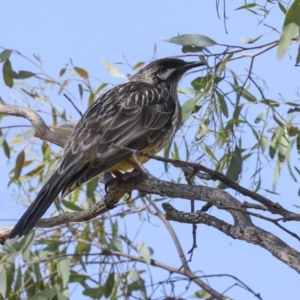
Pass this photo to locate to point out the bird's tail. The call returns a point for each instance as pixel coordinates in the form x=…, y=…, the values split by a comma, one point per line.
x=39, y=206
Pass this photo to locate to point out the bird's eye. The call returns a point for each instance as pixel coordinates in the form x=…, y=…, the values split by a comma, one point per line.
x=162, y=69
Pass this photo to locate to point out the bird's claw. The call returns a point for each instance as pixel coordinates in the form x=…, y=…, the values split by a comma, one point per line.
x=119, y=177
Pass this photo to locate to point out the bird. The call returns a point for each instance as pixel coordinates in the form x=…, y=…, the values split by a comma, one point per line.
x=141, y=114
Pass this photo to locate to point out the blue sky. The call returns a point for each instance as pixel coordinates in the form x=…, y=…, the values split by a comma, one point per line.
x=89, y=31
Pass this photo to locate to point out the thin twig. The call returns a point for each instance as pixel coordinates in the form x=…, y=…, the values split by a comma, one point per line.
x=71, y=101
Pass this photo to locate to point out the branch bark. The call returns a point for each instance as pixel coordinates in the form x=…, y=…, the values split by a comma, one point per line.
x=242, y=227
x=194, y=168
x=42, y=131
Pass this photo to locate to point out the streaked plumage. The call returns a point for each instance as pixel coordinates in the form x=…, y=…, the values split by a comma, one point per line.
x=143, y=114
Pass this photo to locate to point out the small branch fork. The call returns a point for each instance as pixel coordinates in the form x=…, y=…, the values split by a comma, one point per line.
x=42, y=131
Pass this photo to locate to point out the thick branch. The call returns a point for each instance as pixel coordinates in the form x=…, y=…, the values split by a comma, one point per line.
x=108, y=202
x=242, y=228
x=42, y=131
x=250, y=234
x=194, y=168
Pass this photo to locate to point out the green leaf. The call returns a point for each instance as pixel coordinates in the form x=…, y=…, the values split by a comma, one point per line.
x=138, y=285
x=138, y=65
x=62, y=71
x=28, y=243
x=263, y=142
x=288, y=160
x=176, y=152
x=188, y=107
x=100, y=88
x=166, y=154
x=75, y=277
x=112, y=69
x=283, y=145
x=71, y=205
x=63, y=86
x=45, y=294
x=18, y=282
x=290, y=28
x=203, y=130
x=269, y=102
x=3, y=279
x=235, y=167
x=6, y=149
x=243, y=92
x=94, y=293
x=80, y=88
x=81, y=72
x=260, y=117
x=298, y=56
x=19, y=165
x=91, y=187
x=133, y=274
x=223, y=104
x=246, y=6
x=116, y=244
x=109, y=285
x=275, y=141
x=35, y=171
x=24, y=74
x=204, y=83
x=5, y=54
x=202, y=294
x=62, y=294
x=191, y=40
x=64, y=129
x=276, y=175
x=247, y=40
x=63, y=269
x=7, y=73
x=144, y=252
x=298, y=143
x=210, y=153
x=30, y=285
x=91, y=99
x=29, y=133
x=282, y=8
x=235, y=121
x=225, y=61
x=191, y=49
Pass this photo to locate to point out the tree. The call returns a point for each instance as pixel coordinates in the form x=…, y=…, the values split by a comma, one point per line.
x=207, y=162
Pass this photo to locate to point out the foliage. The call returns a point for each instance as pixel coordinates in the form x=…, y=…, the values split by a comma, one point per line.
x=219, y=109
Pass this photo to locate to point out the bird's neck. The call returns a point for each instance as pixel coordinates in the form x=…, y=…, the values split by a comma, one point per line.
x=141, y=78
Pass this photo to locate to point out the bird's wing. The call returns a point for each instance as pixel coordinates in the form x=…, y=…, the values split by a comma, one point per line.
x=130, y=115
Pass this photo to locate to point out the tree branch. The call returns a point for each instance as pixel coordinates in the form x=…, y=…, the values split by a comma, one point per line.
x=187, y=273
x=42, y=131
x=250, y=234
x=194, y=168
x=242, y=227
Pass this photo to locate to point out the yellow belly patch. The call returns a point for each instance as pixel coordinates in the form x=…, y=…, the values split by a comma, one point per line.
x=125, y=165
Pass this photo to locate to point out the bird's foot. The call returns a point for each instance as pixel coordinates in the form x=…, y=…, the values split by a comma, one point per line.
x=133, y=173
x=119, y=177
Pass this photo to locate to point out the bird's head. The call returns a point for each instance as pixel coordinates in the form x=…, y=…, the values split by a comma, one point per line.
x=165, y=72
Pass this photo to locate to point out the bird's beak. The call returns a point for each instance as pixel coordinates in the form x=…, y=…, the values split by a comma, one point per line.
x=191, y=65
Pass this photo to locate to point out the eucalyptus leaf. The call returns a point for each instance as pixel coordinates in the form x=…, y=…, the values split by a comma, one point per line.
x=144, y=252
x=191, y=40
x=290, y=28
x=63, y=268
x=112, y=69
x=247, y=40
